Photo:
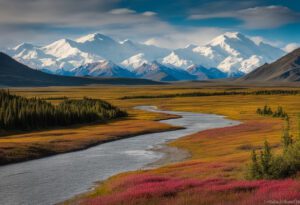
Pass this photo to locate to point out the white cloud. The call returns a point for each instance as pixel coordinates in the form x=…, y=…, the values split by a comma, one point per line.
x=149, y=13
x=41, y=25
x=48, y=20
x=291, y=47
x=257, y=17
x=152, y=41
x=122, y=11
x=182, y=37
x=259, y=39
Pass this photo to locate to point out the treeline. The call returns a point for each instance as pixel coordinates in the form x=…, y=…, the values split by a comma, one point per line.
x=55, y=98
x=203, y=94
x=266, y=165
x=19, y=113
x=267, y=111
x=193, y=94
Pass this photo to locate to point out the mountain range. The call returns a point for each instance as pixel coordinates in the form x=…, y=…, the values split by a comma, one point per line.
x=13, y=73
x=229, y=55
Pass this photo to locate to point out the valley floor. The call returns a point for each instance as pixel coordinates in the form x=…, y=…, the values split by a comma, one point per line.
x=215, y=172
x=16, y=146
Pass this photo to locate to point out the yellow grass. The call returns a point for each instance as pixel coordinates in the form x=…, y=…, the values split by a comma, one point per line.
x=216, y=153
x=17, y=146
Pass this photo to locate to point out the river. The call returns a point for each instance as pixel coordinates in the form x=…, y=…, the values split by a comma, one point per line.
x=54, y=179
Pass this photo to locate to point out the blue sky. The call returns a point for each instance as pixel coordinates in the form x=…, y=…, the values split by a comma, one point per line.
x=169, y=23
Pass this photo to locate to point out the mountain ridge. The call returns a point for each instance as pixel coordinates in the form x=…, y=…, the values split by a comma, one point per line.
x=285, y=69
x=13, y=73
x=232, y=53
x=159, y=72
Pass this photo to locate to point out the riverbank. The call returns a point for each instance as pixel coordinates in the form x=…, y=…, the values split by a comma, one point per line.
x=170, y=155
x=54, y=179
x=216, y=170
x=35, y=145
x=218, y=157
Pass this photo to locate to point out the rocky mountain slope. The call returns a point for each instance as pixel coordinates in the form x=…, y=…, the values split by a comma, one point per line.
x=285, y=69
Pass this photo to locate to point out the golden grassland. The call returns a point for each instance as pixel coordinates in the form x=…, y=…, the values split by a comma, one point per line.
x=21, y=147
x=254, y=130
x=215, y=154
x=16, y=146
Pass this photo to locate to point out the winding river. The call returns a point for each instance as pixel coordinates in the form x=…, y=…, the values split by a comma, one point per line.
x=54, y=179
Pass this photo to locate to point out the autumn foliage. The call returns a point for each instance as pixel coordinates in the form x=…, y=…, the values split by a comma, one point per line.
x=150, y=189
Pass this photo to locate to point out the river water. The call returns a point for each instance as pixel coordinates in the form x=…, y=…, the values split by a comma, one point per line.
x=54, y=179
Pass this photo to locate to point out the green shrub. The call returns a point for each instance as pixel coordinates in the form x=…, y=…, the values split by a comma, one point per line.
x=275, y=167
x=267, y=111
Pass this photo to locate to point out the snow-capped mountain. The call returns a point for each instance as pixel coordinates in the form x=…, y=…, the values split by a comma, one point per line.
x=101, y=69
x=61, y=54
x=159, y=72
x=232, y=53
x=135, y=61
x=68, y=54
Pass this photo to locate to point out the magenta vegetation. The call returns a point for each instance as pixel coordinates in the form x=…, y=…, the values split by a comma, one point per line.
x=151, y=189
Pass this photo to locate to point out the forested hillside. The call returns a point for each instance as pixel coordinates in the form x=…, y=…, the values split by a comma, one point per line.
x=19, y=113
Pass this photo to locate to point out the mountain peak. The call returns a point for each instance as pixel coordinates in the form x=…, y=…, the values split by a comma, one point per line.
x=104, y=68
x=233, y=35
x=195, y=66
x=108, y=63
x=127, y=41
x=135, y=61
x=60, y=42
x=228, y=37
x=24, y=46
x=93, y=37
x=191, y=46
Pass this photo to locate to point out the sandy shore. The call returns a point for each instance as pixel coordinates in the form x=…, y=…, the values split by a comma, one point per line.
x=170, y=155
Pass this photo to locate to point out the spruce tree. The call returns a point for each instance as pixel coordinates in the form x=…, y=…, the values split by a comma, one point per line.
x=266, y=160
x=19, y=113
x=287, y=138
x=255, y=169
